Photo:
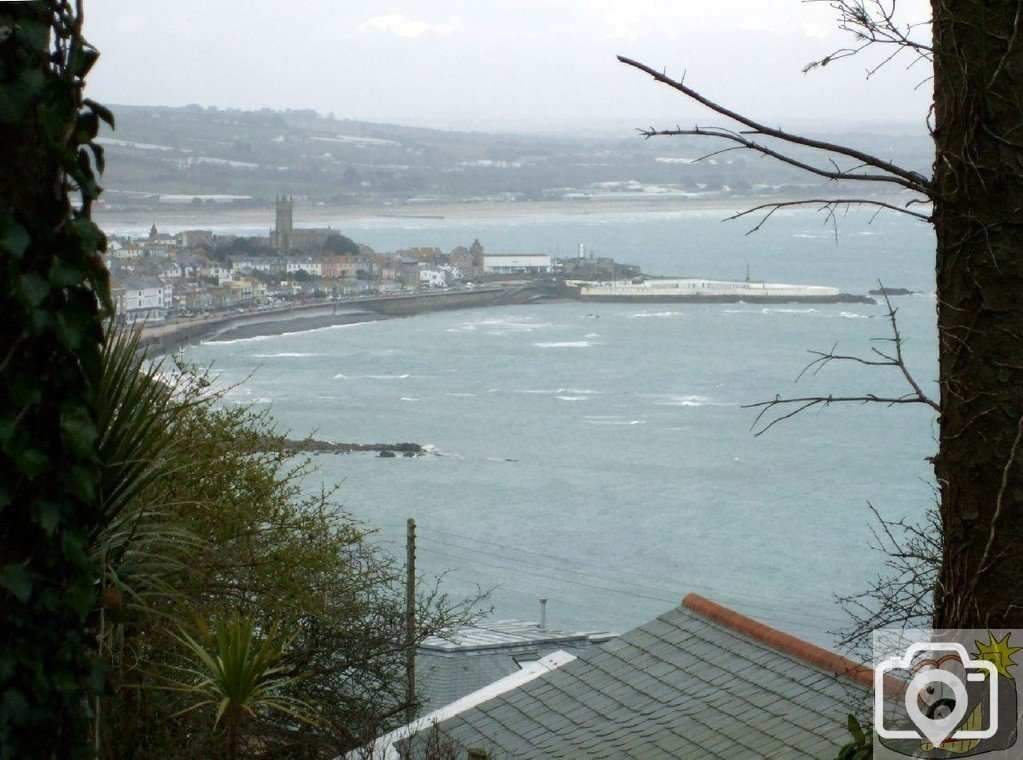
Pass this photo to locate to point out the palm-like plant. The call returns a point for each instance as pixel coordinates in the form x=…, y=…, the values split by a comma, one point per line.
x=136, y=550
x=238, y=672
x=135, y=409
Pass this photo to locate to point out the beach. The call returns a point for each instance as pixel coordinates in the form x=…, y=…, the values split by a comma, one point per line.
x=178, y=217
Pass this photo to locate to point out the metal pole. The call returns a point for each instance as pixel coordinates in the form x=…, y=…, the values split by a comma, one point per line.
x=410, y=621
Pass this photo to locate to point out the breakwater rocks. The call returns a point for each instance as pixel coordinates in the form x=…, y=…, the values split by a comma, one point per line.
x=893, y=292
x=386, y=450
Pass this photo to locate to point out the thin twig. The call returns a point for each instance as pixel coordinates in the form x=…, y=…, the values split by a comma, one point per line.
x=910, y=179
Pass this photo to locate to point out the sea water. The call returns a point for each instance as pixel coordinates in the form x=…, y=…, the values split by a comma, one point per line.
x=602, y=456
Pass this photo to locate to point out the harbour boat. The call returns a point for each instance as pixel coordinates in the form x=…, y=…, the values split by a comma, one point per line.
x=694, y=289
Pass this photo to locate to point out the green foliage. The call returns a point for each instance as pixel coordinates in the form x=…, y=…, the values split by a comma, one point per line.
x=52, y=286
x=137, y=547
x=238, y=673
x=340, y=244
x=861, y=747
x=263, y=549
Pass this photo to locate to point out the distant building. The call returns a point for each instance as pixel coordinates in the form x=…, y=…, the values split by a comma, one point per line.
x=338, y=267
x=280, y=238
x=220, y=272
x=461, y=661
x=303, y=264
x=268, y=264
x=126, y=251
x=468, y=261
x=195, y=238
x=246, y=289
x=517, y=263
x=433, y=278
x=142, y=299
x=285, y=238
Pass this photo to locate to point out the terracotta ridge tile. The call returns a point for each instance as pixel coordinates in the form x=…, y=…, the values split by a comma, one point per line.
x=782, y=642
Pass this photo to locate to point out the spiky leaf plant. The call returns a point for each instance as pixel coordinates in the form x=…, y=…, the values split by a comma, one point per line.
x=238, y=672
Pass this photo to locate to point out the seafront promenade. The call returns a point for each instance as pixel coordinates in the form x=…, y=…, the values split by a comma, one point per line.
x=311, y=315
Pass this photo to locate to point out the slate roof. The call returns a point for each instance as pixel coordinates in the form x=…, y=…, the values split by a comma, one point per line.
x=697, y=682
x=448, y=668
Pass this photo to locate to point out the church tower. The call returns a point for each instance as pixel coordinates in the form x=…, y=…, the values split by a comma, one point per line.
x=282, y=224
x=476, y=254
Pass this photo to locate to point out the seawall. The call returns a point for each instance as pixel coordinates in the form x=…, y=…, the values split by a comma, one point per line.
x=163, y=338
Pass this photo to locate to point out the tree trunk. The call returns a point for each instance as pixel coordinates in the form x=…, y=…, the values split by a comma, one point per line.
x=978, y=215
x=50, y=338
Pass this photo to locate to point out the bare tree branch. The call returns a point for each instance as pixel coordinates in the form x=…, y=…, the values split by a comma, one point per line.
x=811, y=401
x=745, y=142
x=794, y=406
x=824, y=205
x=903, y=595
x=909, y=179
x=873, y=24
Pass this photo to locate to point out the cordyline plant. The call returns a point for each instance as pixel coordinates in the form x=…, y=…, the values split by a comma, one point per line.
x=236, y=673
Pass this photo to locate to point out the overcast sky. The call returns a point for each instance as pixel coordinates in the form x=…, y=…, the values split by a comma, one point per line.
x=465, y=63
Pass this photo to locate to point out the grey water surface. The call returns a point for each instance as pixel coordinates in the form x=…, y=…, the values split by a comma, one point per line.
x=600, y=455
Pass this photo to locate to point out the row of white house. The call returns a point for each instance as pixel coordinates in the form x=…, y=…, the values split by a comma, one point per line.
x=142, y=298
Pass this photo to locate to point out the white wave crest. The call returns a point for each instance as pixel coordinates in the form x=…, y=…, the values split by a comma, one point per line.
x=566, y=344
x=254, y=339
x=343, y=376
x=284, y=355
x=655, y=314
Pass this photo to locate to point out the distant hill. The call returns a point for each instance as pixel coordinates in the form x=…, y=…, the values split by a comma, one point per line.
x=195, y=151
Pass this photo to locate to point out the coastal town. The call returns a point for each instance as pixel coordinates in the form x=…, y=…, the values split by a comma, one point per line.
x=196, y=273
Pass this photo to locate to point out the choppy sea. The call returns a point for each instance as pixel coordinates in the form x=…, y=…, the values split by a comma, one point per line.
x=600, y=455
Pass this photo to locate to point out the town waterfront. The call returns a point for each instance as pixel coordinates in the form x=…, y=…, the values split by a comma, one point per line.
x=600, y=456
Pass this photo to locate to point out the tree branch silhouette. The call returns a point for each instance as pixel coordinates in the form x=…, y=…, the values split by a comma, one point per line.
x=892, y=173
x=790, y=407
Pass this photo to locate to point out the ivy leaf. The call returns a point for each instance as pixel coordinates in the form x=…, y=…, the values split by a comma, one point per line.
x=17, y=579
x=58, y=113
x=49, y=515
x=81, y=482
x=101, y=111
x=97, y=153
x=16, y=97
x=14, y=238
x=86, y=128
x=87, y=58
x=79, y=431
x=32, y=462
x=34, y=287
x=35, y=34
x=91, y=236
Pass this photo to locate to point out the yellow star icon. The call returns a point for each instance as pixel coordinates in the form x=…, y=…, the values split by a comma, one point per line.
x=998, y=652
